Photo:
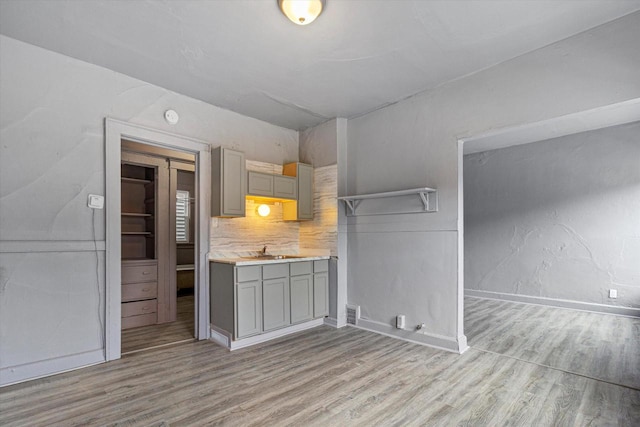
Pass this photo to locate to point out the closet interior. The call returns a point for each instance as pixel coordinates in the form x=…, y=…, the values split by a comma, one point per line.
x=157, y=199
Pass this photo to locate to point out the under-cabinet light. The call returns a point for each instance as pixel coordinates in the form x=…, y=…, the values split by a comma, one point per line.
x=264, y=210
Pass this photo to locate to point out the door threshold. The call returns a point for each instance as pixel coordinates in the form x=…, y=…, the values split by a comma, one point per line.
x=169, y=344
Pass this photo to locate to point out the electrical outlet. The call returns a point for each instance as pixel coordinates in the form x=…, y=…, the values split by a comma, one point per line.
x=400, y=321
x=613, y=293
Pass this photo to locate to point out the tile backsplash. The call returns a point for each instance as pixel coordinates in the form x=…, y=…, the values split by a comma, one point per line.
x=321, y=234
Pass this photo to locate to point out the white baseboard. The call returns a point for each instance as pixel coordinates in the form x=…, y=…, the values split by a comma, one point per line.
x=45, y=368
x=441, y=342
x=561, y=303
x=218, y=336
x=330, y=321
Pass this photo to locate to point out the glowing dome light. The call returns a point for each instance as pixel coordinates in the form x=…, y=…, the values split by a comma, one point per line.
x=264, y=210
x=301, y=12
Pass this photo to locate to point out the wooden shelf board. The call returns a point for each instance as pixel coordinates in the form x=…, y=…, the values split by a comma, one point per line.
x=136, y=214
x=136, y=180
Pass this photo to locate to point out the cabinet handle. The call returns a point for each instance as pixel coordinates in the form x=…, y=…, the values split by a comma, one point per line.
x=144, y=273
x=145, y=289
x=145, y=308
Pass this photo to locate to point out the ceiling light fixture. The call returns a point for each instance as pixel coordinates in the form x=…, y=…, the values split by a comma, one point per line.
x=301, y=12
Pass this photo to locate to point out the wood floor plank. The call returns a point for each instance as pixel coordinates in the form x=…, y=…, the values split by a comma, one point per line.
x=351, y=377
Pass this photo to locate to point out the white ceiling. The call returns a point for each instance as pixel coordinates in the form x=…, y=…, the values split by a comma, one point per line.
x=245, y=56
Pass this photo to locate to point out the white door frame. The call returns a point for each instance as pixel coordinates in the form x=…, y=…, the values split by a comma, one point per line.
x=115, y=131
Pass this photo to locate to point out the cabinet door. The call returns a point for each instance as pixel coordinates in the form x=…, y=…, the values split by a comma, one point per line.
x=285, y=187
x=233, y=183
x=320, y=294
x=228, y=183
x=301, y=298
x=248, y=309
x=305, y=191
x=275, y=303
x=260, y=184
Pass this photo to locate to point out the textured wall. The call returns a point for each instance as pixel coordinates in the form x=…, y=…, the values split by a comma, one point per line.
x=415, y=143
x=319, y=145
x=557, y=219
x=52, y=112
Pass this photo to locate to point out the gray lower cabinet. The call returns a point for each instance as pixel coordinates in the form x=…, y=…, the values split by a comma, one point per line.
x=275, y=303
x=321, y=288
x=250, y=300
x=248, y=309
x=301, y=298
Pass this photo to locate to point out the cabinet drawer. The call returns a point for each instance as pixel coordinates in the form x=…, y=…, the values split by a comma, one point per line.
x=247, y=274
x=142, y=320
x=139, y=273
x=321, y=266
x=139, y=307
x=299, y=268
x=139, y=291
x=274, y=271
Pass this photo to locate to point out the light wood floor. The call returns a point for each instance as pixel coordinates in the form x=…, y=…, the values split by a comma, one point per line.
x=165, y=333
x=324, y=377
x=600, y=346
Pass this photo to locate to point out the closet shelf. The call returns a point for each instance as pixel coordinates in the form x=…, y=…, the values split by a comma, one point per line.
x=428, y=196
x=136, y=233
x=136, y=214
x=136, y=180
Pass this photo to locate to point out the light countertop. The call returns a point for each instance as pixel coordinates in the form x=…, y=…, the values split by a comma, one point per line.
x=260, y=261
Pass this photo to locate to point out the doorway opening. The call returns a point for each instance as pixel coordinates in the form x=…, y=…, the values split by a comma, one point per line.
x=539, y=204
x=158, y=194
x=157, y=238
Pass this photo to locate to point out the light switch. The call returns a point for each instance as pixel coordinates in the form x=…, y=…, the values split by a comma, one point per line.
x=95, y=201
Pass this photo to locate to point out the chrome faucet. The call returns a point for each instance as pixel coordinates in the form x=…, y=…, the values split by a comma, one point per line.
x=264, y=250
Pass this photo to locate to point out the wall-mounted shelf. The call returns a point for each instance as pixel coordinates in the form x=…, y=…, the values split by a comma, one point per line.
x=428, y=197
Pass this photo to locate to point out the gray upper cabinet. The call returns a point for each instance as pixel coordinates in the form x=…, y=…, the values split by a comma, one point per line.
x=302, y=209
x=260, y=184
x=228, y=183
x=285, y=187
x=269, y=185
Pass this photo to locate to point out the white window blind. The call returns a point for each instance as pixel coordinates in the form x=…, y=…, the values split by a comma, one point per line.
x=182, y=216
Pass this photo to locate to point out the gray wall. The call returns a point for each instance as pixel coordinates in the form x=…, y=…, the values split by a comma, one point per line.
x=407, y=264
x=557, y=219
x=52, y=112
x=319, y=144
